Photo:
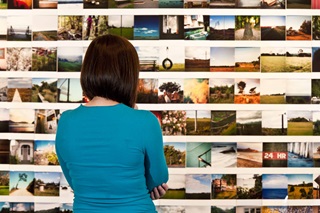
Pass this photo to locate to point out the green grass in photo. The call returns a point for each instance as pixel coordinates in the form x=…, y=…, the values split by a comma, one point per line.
x=300, y=128
x=64, y=66
x=203, y=126
x=175, y=67
x=272, y=99
x=125, y=32
x=46, y=192
x=3, y=5
x=273, y=63
x=226, y=195
x=4, y=190
x=298, y=64
x=175, y=194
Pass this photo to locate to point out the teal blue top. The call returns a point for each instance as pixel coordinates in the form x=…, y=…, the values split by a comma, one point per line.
x=112, y=157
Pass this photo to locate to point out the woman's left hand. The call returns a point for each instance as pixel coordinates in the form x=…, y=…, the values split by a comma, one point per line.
x=159, y=191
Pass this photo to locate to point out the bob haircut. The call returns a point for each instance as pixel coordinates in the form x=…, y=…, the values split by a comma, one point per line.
x=110, y=70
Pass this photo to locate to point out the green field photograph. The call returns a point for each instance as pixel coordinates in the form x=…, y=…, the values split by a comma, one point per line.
x=298, y=59
x=177, y=187
x=170, y=90
x=196, y=91
x=198, y=186
x=298, y=91
x=273, y=59
x=4, y=183
x=121, y=25
x=44, y=90
x=198, y=122
x=175, y=154
x=223, y=123
x=249, y=186
x=221, y=90
x=198, y=155
x=45, y=30
x=147, y=91
x=21, y=183
x=300, y=186
x=248, y=122
x=223, y=186
x=273, y=28
x=273, y=91
x=197, y=59
x=249, y=154
x=274, y=123
x=247, y=59
x=19, y=58
x=148, y=58
x=174, y=122
x=300, y=123
x=171, y=59
x=222, y=59
x=46, y=184
x=21, y=152
x=69, y=59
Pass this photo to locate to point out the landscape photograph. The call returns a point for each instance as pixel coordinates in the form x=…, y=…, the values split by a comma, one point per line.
x=299, y=4
x=19, y=58
x=247, y=3
x=273, y=27
x=66, y=208
x=298, y=27
x=175, y=154
x=21, y=183
x=146, y=27
x=300, y=209
x=316, y=155
x=174, y=122
x=249, y=154
x=315, y=59
x=44, y=4
x=69, y=59
x=300, y=186
x=3, y=59
x=170, y=90
x=221, y=90
x=69, y=90
x=274, y=209
x=198, y=155
x=247, y=91
x=196, y=3
x=177, y=187
x=44, y=90
x=273, y=59
x=3, y=27
x=70, y=27
x=248, y=27
x=274, y=186
x=223, y=122
x=315, y=27
x=4, y=151
x=19, y=207
x=224, y=154
x=94, y=26
x=250, y=208
x=223, y=209
x=198, y=186
x=196, y=91
x=298, y=91
x=19, y=28
x=316, y=190
x=3, y=89
x=21, y=152
x=197, y=59
x=46, y=121
x=4, y=206
x=46, y=207
x=315, y=91
x=222, y=59
x=222, y=4
x=171, y=58
x=196, y=27
x=121, y=25
x=44, y=59
x=275, y=154
x=4, y=120
x=147, y=91
x=4, y=184
x=45, y=153
x=248, y=122
x=221, y=27
x=148, y=58
x=198, y=122
x=273, y=91
x=120, y=4
x=170, y=4
x=167, y=208
x=171, y=27
x=300, y=154
x=274, y=123
x=21, y=120
x=224, y=186
x=298, y=59
x=249, y=186
x=19, y=90
x=247, y=59
x=45, y=28
x=144, y=4
x=47, y=184
x=316, y=122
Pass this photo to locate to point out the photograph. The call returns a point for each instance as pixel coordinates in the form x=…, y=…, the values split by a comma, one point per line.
x=122, y=4
x=70, y=4
x=121, y=25
x=300, y=123
x=300, y=186
x=298, y=27
x=18, y=27
x=44, y=59
x=247, y=3
x=198, y=122
x=249, y=209
x=171, y=58
x=70, y=27
x=170, y=90
x=177, y=187
x=3, y=4
x=45, y=152
x=171, y=27
x=21, y=207
x=271, y=4
x=222, y=59
x=148, y=58
x=3, y=59
x=247, y=91
x=223, y=123
x=170, y=4
x=168, y=209
x=249, y=154
x=21, y=183
x=196, y=91
x=196, y=27
x=299, y=4
x=46, y=207
x=316, y=27
x=145, y=4
x=196, y=3
x=249, y=186
x=19, y=58
x=273, y=91
x=247, y=59
x=273, y=59
x=274, y=209
x=3, y=89
x=224, y=186
x=221, y=90
x=273, y=28
x=66, y=208
x=247, y=27
x=274, y=186
x=21, y=120
x=248, y=122
x=224, y=154
x=198, y=186
x=94, y=26
x=147, y=91
x=19, y=90
x=66, y=192
x=298, y=91
x=3, y=26
x=96, y=4
x=173, y=122
x=4, y=120
x=20, y=4
x=4, y=186
x=298, y=59
x=275, y=154
x=316, y=189
x=223, y=209
x=70, y=59
x=21, y=152
x=300, y=209
x=315, y=59
x=316, y=122
x=197, y=58
x=44, y=90
x=46, y=121
x=69, y=90
x=175, y=154
x=146, y=27
x=316, y=155
x=4, y=151
x=45, y=4
x=47, y=184
x=300, y=154
x=274, y=123
x=198, y=155
x=222, y=4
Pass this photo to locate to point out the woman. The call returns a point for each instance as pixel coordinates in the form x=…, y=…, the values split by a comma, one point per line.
x=110, y=153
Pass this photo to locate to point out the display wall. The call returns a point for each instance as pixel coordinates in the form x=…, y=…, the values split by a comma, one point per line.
x=234, y=83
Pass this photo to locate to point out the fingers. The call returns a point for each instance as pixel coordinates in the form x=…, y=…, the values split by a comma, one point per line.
x=152, y=196
x=162, y=191
x=156, y=193
x=159, y=191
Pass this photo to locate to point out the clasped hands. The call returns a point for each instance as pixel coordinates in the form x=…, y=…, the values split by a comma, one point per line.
x=159, y=191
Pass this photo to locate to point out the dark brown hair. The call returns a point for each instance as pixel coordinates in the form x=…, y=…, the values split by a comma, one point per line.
x=111, y=70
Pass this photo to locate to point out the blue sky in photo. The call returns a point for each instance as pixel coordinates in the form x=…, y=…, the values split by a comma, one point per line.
x=177, y=145
x=146, y=26
x=14, y=178
x=43, y=144
x=48, y=177
x=274, y=181
x=222, y=22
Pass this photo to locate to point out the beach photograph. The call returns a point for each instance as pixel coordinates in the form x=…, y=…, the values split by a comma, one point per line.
x=273, y=91
x=249, y=154
x=300, y=154
x=300, y=186
x=223, y=123
x=298, y=91
x=171, y=58
x=224, y=154
x=224, y=186
x=196, y=91
x=21, y=183
x=148, y=58
x=222, y=59
x=197, y=59
x=69, y=90
x=177, y=187
x=247, y=59
x=170, y=90
x=249, y=122
x=221, y=27
x=147, y=91
x=21, y=120
x=273, y=59
x=247, y=91
x=273, y=28
x=19, y=28
x=175, y=154
x=198, y=155
x=275, y=154
x=274, y=123
x=249, y=186
x=274, y=186
x=19, y=58
x=45, y=27
x=198, y=186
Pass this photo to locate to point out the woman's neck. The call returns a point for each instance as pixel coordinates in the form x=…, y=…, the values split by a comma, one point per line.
x=100, y=101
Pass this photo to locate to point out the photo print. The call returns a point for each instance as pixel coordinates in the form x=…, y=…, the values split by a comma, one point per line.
x=95, y=4
x=174, y=122
x=298, y=27
x=222, y=4
x=249, y=186
x=197, y=59
x=18, y=27
x=196, y=3
x=298, y=91
x=21, y=183
x=4, y=120
x=316, y=155
x=46, y=207
x=274, y=123
x=17, y=207
x=177, y=187
x=298, y=59
x=316, y=190
x=144, y=4
x=66, y=192
x=300, y=123
x=249, y=154
x=4, y=151
x=44, y=59
x=198, y=122
x=46, y=121
x=247, y=59
x=70, y=27
x=175, y=154
x=47, y=184
x=195, y=209
x=300, y=186
x=70, y=59
x=247, y=27
x=121, y=4
x=218, y=60
x=43, y=4
x=147, y=91
x=198, y=186
x=224, y=186
x=171, y=27
x=274, y=186
x=299, y=4
x=3, y=89
x=248, y=4
x=315, y=59
x=273, y=28
x=273, y=59
x=19, y=59
x=166, y=209
x=266, y=209
x=223, y=209
x=4, y=185
x=146, y=27
x=94, y=26
x=170, y=90
x=196, y=27
x=247, y=209
x=70, y=4
x=20, y=4
x=196, y=91
x=224, y=154
x=148, y=58
x=69, y=90
x=3, y=27
x=267, y=4
x=315, y=91
x=19, y=90
x=121, y=25
x=275, y=154
x=223, y=123
x=273, y=91
x=315, y=27
x=21, y=152
x=300, y=154
x=221, y=90
x=171, y=58
x=3, y=5
x=45, y=153
x=247, y=91
x=316, y=122
x=300, y=209
x=3, y=59
x=198, y=155
x=249, y=122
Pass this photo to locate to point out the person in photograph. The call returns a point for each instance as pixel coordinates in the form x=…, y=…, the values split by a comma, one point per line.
x=111, y=153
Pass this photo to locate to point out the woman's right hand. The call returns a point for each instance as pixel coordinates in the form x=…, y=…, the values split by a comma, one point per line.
x=159, y=191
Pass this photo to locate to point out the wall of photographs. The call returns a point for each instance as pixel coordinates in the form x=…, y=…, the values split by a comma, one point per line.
x=234, y=84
